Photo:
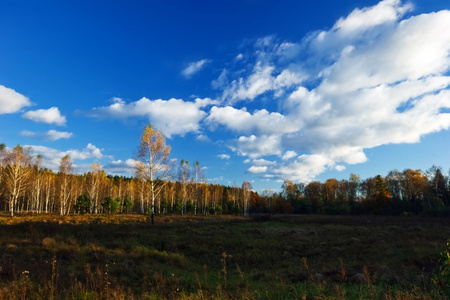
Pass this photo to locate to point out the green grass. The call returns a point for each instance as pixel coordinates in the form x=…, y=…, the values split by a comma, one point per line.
x=286, y=257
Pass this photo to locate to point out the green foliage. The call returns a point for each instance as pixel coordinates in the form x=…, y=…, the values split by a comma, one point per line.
x=189, y=207
x=339, y=208
x=177, y=207
x=111, y=205
x=83, y=204
x=302, y=206
x=215, y=210
x=236, y=209
x=434, y=208
x=127, y=205
x=442, y=279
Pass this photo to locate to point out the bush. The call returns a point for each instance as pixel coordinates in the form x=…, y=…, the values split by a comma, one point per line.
x=83, y=204
x=111, y=205
x=127, y=205
x=342, y=208
x=435, y=207
x=442, y=279
x=189, y=206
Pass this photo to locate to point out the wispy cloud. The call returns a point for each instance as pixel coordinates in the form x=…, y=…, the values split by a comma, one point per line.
x=194, y=67
x=54, y=135
x=51, y=135
x=373, y=79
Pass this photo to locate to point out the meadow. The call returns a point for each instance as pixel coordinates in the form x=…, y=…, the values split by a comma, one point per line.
x=221, y=257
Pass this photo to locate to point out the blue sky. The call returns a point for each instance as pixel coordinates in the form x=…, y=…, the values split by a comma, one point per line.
x=256, y=90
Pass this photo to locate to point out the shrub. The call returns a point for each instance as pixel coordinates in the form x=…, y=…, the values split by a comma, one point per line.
x=442, y=279
x=435, y=207
x=111, y=205
x=83, y=204
x=127, y=205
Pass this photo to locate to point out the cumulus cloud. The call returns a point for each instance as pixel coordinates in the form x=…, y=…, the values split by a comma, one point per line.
x=119, y=167
x=173, y=117
x=223, y=156
x=11, y=101
x=51, y=157
x=374, y=78
x=257, y=169
x=255, y=147
x=362, y=19
x=263, y=162
x=304, y=168
x=194, y=67
x=49, y=116
x=289, y=154
x=242, y=121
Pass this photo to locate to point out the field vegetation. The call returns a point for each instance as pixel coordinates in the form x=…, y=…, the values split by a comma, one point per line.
x=123, y=256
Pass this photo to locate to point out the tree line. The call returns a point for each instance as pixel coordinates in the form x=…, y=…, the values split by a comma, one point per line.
x=159, y=187
x=410, y=192
x=27, y=187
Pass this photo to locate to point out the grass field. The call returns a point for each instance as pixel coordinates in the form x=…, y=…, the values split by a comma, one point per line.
x=188, y=257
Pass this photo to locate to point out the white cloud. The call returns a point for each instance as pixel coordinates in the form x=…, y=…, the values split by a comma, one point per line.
x=203, y=138
x=51, y=158
x=264, y=78
x=27, y=133
x=242, y=121
x=257, y=169
x=362, y=19
x=221, y=81
x=305, y=168
x=11, y=101
x=260, y=165
x=51, y=135
x=194, y=67
x=263, y=162
x=372, y=79
x=173, y=117
x=223, y=156
x=254, y=147
x=340, y=168
x=49, y=116
x=54, y=135
x=119, y=167
x=289, y=154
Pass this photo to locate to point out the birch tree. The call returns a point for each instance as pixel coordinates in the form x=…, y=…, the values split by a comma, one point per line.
x=65, y=186
x=16, y=173
x=37, y=185
x=2, y=154
x=93, y=181
x=153, y=161
x=246, y=192
x=184, y=174
x=199, y=177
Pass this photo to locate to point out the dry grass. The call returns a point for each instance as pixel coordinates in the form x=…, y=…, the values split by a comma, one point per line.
x=196, y=257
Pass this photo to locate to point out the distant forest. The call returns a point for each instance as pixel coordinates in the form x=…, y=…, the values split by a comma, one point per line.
x=26, y=187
